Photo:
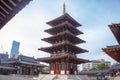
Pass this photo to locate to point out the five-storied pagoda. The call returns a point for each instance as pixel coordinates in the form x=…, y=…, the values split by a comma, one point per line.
x=63, y=59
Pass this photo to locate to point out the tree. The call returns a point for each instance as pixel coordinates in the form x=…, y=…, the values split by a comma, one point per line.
x=102, y=66
x=47, y=68
x=93, y=69
x=84, y=70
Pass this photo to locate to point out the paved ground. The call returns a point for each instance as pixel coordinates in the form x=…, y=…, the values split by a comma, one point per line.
x=15, y=77
x=44, y=77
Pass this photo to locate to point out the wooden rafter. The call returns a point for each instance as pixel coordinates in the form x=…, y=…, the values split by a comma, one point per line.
x=115, y=28
x=113, y=52
x=9, y=8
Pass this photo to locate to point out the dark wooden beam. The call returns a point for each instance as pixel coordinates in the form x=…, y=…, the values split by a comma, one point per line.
x=9, y=8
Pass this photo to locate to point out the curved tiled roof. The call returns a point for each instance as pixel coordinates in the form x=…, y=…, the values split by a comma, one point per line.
x=63, y=18
x=113, y=51
x=66, y=35
x=115, y=28
x=64, y=26
x=66, y=45
x=63, y=56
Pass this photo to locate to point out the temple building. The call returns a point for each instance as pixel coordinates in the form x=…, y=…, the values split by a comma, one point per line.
x=22, y=65
x=63, y=59
x=114, y=51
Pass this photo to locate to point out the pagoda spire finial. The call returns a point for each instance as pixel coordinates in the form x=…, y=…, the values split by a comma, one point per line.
x=64, y=8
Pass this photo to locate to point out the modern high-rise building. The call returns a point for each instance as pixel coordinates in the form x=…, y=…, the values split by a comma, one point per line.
x=3, y=57
x=15, y=49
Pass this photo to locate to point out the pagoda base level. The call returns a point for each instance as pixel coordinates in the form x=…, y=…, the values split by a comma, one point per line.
x=63, y=68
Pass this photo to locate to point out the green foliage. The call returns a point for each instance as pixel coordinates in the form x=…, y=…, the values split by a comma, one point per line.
x=93, y=69
x=44, y=68
x=102, y=66
x=39, y=69
x=47, y=68
x=84, y=69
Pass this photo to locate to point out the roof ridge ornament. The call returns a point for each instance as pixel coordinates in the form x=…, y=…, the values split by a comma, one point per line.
x=64, y=8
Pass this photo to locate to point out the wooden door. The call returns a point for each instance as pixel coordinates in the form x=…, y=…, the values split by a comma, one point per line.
x=57, y=69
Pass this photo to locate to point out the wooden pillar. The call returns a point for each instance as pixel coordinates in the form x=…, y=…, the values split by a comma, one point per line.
x=52, y=68
x=67, y=68
x=77, y=69
x=20, y=70
x=62, y=68
x=73, y=68
x=57, y=68
x=31, y=70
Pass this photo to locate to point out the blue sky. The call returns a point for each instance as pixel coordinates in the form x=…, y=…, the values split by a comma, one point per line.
x=29, y=24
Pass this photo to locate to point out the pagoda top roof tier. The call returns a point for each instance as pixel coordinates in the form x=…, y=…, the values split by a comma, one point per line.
x=63, y=46
x=71, y=58
x=115, y=28
x=113, y=51
x=63, y=18
x=63, y=26
x=63, y=36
